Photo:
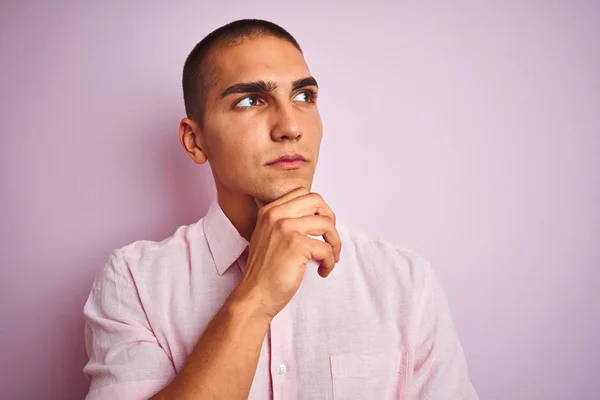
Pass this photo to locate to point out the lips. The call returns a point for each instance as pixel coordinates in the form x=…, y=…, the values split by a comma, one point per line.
x=288, y=158
x=288, y=162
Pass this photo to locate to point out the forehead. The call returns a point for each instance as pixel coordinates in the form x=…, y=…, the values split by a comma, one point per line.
x=263, y=58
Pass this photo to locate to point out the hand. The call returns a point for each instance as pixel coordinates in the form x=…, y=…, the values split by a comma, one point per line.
x=280, y=247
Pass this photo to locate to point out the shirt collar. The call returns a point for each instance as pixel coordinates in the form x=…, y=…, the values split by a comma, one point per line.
x=224, y=241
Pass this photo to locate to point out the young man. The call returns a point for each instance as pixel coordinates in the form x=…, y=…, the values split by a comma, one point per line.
x=265, y=297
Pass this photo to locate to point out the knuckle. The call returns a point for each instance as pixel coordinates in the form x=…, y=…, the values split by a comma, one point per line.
x=283, y=225
x=270, y=216
x=331, y=226
x=317, y=196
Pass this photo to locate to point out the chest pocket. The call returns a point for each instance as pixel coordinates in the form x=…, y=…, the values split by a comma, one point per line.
x=369, y=376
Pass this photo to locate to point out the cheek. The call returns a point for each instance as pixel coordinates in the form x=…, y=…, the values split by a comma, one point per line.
x=236, y=147
x=315, y=127
x=247, y=137
x=312, y=119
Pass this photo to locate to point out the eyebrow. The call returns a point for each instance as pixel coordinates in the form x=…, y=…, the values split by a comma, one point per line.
x=266, y=87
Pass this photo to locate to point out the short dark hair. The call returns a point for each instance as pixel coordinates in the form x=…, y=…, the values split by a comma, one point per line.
x=198, y=70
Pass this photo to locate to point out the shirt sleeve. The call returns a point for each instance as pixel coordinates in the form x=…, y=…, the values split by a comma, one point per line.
x=440, y=369
x=125, y=359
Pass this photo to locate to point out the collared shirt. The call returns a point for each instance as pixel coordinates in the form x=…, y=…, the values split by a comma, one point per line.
x=378, y=327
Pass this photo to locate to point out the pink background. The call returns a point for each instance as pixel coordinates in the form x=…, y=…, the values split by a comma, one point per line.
x=467, y=131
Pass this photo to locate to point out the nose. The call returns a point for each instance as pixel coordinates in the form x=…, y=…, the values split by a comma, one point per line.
x=286, y=125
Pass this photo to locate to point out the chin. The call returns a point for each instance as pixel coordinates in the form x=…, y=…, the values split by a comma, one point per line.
x=272, y=193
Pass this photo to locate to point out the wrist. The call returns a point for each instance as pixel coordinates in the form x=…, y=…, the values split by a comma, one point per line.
x=248, y=304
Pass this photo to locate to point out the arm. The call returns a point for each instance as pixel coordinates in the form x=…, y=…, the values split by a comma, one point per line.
x=223, y=363
x=125, y=358
x=127, y=361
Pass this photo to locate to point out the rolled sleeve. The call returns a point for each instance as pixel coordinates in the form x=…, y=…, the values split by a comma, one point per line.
x=125, y=359
x=440, y=369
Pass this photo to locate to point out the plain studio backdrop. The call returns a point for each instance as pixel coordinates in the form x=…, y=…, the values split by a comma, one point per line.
x=468, y=132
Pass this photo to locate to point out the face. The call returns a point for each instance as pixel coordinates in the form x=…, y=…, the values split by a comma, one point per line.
x=261, y=107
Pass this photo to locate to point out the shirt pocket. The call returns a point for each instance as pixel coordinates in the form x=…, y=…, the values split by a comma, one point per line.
x=377, y=375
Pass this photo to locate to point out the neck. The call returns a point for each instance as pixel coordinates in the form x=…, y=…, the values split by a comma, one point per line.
x=241, y=211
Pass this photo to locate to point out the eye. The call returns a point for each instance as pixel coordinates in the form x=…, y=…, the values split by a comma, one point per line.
x=306, y=96
x=248, y=101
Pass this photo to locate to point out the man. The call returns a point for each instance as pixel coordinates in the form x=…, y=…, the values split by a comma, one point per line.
x=259, y=299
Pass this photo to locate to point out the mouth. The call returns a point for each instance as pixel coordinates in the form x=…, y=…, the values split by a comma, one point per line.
x=288, y=161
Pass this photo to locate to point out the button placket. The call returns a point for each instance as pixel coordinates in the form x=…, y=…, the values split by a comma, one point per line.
x=281, y=369
x=283, y=359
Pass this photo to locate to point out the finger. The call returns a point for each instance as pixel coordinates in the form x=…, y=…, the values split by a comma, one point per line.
x=306, y=204
x=309, y=204
x=263, y=206
x=298, y=203
x=317, y=225
x=322, y=252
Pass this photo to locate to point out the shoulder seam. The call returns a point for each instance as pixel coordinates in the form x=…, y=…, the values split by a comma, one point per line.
x=121, y=253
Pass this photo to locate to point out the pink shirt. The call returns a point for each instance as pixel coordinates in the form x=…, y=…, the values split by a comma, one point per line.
x=378, y=327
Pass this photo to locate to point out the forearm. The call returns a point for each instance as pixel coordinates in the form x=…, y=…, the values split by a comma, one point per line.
x=223, y=363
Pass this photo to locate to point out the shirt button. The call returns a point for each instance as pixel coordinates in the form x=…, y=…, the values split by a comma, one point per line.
x=281, y=369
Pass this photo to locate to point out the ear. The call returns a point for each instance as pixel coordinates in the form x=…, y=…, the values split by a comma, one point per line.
x=192, y=140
